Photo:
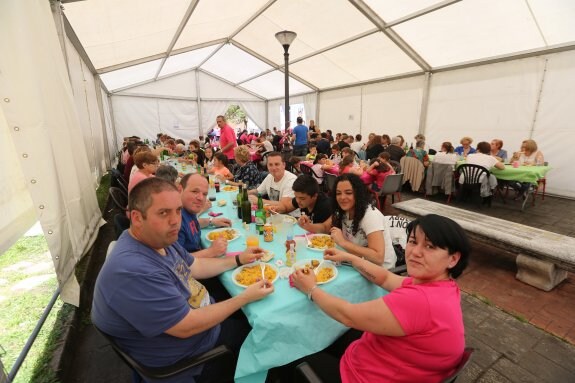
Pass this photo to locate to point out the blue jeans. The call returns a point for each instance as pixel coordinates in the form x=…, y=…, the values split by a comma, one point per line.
x=300, y=150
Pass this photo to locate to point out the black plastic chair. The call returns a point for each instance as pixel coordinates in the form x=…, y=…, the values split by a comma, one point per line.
x=329, y=181
x=465, y=359
x=306, y=169
x=117, y=180
x=221, y=353
x=306, y=372
x=119, y=198
x=395, y=165
x=472, y=178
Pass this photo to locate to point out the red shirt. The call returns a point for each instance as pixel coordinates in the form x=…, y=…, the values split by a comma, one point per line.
x=227, y=135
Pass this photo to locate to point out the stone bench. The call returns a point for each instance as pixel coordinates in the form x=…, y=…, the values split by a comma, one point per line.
x=543, y=257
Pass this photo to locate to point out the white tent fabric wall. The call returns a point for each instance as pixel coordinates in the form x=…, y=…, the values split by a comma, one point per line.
x=210, y=111
x=113, y=145
x=256, y=111
x=554, y=131
x=18, y=213
x=37, y=99
x=88, y=111
x=145, y=117
x=340, y=111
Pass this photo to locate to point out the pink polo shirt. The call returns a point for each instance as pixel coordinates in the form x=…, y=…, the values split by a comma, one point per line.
x=227, y=135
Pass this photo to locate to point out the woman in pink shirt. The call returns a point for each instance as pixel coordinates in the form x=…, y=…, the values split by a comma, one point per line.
x=147, y=163
x=414, y=333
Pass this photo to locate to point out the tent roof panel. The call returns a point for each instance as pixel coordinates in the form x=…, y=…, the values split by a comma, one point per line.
x=114, y=32
x=186, y=60
x=556, y=21
x=132, y=75
x=181, y=85
x=216, y=19
x=271, y=85
x=472, y=30
x=318, y=24
x=234, y=64
x=213, y=88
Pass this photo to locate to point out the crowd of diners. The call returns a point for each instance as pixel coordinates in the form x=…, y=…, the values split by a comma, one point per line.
x=158, y=294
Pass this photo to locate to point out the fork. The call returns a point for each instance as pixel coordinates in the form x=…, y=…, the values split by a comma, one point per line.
x=316, y=270
x=263, y=268
x=307, y=239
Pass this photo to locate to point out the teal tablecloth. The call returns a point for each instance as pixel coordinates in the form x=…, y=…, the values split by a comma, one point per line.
x=286, y=325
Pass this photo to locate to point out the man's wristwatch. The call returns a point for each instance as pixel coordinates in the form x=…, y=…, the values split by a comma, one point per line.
x=211, y=222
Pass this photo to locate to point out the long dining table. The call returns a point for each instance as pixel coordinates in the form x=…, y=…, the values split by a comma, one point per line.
x=285, y=325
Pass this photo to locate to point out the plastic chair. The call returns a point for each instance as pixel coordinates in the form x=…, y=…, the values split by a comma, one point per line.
x=305, y=371
x=413, y=171
x=395, y=165
x=391, y=185
x=119, y=198
x=329, y=181
x=117, y=180
x=465, y=359
x=221, y=352
x=306, y=169
x=472, y=177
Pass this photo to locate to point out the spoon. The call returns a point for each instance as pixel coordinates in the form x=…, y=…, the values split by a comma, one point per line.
x=262, y=268
x=316, y=270
x=307, y=239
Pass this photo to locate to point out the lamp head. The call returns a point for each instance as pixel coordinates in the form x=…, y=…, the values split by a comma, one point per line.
x=286, y=38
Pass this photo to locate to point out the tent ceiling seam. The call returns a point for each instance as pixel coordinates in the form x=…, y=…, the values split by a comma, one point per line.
x=391, y=34
x=231, y=83
x=252, y=18
x=177, y=34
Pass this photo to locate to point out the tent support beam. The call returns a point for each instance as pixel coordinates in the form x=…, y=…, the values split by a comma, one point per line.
x=394, y=37
x=98, y=89
x=200, y=122
x=538, y=102
x=252, y=18
x=271, y=63
x=424, y=103
x=232, y=84
x=177, y=34
x=143, y=60
x=422, y=12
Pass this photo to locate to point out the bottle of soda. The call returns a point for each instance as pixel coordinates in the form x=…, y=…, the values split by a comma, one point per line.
x=239, y=202
x=290, y=251
x=260, y=215
x=246, y=207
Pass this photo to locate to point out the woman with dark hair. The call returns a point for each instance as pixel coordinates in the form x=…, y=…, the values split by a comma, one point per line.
x=220, y=168
x=355, y=224
x=413, y=334
x=374, y=147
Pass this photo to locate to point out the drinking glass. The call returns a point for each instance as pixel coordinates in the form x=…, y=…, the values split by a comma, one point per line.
x=252, y=240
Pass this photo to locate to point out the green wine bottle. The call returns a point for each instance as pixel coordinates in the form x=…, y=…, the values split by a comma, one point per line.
x=246, y=207
x=260, y=215
x=239, y=202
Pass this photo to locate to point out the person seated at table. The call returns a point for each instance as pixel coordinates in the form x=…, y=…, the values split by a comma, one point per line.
x=209, y=158
x=335, y=156
x=264, y=145
x=395, y=149
x=528, y=154
x=195, y=148
x=295, y=165
x=147, y=295
x=415, y=333
x=168, y=173
x=355, y=224
x=320, y=165
x=419, y=152
x=446, y=154
x=348, y=165
x=323, y=145
x=220, y=168
x=147, y=164
x=483, y=158
x=194, y=189
x=465, y=148
x=278, y=183
x=373, y=147
x=385, y=140
x=496, y=151
x=312, y=153
x=247, y=172
x=308, y=199
x=374, y=175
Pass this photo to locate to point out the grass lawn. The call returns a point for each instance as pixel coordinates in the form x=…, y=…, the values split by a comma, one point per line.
x=27, y=282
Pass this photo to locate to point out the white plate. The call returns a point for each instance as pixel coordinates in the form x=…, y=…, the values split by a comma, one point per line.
x=236, y=233
x=301, y=264
x=318, y=235
x=254, y=264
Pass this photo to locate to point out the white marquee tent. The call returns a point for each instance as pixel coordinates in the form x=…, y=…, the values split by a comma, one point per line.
x=77, y=76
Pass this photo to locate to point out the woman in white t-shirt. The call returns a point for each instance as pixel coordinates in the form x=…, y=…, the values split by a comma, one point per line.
x=355, y=225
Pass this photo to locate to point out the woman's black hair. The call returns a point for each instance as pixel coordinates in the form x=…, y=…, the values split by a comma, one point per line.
x=363, y=200
x=445, y=234
x=319, y=157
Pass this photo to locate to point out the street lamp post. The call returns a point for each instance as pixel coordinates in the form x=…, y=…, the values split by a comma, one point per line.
x=286, y=38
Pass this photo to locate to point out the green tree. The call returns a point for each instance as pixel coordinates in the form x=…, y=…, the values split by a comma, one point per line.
x=235, y=114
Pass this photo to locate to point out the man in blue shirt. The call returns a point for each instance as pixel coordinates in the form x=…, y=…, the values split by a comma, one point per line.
x=147, y=295
x=300, y=138
x=194, y=195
